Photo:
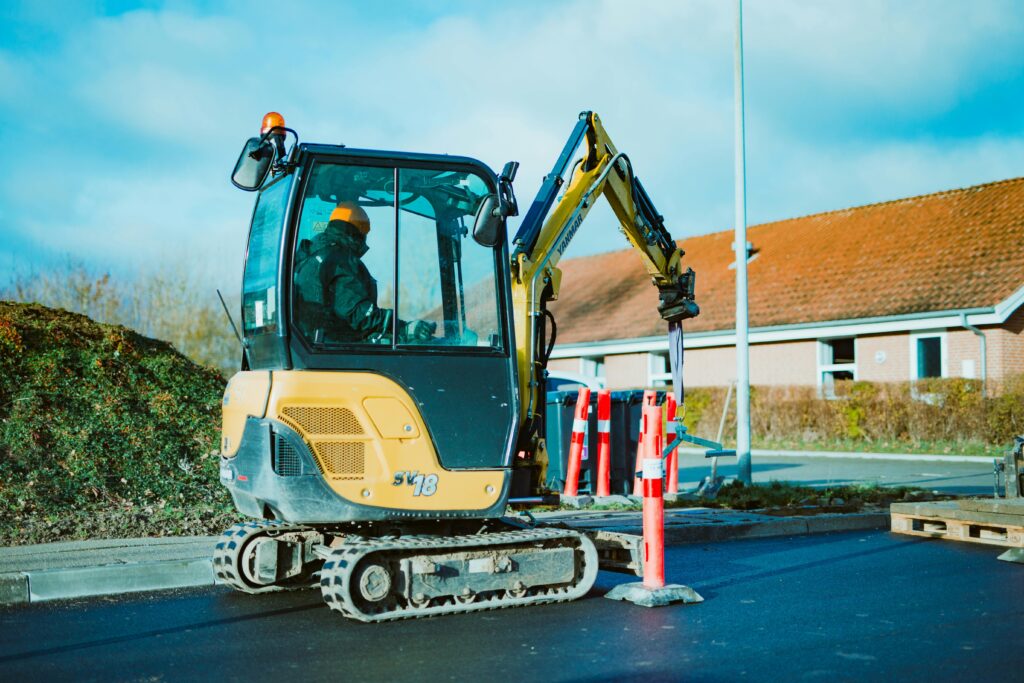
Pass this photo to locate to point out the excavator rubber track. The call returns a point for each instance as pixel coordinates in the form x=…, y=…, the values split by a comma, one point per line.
x=235, y=556
x=384, y=579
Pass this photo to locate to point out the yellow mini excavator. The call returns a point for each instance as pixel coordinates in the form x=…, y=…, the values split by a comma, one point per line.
x=391, y=399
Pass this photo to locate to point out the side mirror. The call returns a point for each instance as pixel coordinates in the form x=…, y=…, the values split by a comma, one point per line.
x=253, y=165
x=489, y=222
x=495, y=208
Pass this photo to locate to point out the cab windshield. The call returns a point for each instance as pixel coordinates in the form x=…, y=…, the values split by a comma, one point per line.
x=384, y=257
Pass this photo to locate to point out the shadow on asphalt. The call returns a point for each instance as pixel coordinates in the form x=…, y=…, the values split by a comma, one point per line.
x=707, y=588
x=99, y=642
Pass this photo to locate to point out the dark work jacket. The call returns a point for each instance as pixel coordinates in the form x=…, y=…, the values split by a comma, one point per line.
x=336, y=292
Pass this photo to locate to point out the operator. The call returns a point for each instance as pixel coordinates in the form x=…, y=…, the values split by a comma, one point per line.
x=337, y=294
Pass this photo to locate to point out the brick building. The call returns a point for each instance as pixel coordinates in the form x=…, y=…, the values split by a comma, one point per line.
x=918, y=287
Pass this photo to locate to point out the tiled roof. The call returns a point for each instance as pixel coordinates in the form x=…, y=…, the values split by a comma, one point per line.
x=944, y=251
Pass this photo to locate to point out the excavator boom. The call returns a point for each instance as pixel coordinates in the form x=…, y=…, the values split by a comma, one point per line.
x=549, y=227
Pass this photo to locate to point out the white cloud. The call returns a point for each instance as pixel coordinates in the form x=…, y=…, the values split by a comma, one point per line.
x=138, y=118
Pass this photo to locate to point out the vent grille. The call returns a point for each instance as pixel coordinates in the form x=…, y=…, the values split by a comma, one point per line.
x=316, y=420
x=342, y=459
x=286, y=459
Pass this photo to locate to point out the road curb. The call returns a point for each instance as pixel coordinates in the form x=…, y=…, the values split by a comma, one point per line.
x=14, y=588
x=79, y=582
x=680, y=533
x=864, y=521
x=83, y=582
x=852, y=455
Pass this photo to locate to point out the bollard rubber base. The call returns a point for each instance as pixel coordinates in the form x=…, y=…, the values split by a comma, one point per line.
x=1013, y=555
x=639, y=594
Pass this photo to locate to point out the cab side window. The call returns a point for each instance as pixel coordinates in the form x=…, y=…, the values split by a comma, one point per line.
x=343, y=287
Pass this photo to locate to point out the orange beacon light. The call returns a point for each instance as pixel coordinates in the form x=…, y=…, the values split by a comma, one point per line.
x=270, y=121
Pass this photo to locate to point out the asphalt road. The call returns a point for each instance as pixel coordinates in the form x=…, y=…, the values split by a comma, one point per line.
x=852, y=606
x=947, y=477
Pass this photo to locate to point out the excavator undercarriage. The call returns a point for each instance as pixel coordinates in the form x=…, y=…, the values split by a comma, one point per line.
x=438, y=571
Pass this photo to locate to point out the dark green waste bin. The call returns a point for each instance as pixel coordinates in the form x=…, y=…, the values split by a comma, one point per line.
x=625, y=430
x=561, y=411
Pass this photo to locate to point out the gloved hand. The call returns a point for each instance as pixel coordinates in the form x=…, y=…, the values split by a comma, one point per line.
x=419, y=331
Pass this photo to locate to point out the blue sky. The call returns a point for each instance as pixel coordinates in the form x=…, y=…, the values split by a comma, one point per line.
x=123, y=119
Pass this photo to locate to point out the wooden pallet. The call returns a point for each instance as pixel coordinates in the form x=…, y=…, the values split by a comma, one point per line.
x=948, y=520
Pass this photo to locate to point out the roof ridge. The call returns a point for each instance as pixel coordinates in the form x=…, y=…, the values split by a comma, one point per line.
x=937, y=193
x=926, y=195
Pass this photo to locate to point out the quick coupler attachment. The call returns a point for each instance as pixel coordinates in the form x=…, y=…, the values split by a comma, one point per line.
x=715, y=449
x=676, y=301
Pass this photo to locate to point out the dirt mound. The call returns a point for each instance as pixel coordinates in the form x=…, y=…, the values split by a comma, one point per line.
x=97, y=417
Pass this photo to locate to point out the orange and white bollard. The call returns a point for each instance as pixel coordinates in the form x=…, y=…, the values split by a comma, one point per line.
x=604, y=443
x=650, y=399
x=579, y=431
x=652, y=591
x=672, y=463
x=654, y=504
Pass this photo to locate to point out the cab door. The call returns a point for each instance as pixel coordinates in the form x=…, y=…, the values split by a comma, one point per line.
x=448, y=340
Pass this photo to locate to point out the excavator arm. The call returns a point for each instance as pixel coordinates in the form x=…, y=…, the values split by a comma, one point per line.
x=546, y=232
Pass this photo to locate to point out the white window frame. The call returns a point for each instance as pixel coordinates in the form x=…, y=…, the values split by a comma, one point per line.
x=824, y=351
x=588, y=367
x=943, y=352
x=659, y=369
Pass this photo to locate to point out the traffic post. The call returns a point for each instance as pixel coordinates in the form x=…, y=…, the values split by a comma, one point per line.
x=652, y=591
x=653, y=474
x=604, y=442
x=672, y=462
x=579, y=431
x=650, y=399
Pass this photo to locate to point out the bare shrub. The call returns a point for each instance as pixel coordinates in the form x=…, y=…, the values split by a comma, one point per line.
x=174, y=303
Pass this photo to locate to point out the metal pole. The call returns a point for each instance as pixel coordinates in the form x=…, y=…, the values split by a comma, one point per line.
x=740, y=245
x=721, y=430
x=984, y=350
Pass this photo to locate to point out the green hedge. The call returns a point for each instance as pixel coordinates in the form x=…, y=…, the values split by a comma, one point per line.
x=937, y=413
x=95, y=415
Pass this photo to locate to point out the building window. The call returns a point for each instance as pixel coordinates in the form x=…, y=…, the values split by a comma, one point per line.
x=928, y=355
x=659, y=370
x=837, y=361
x=593, y=367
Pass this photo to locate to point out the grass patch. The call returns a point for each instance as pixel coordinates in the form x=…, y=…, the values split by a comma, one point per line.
x=976, y=448
x=737, y=496
x=777, y=495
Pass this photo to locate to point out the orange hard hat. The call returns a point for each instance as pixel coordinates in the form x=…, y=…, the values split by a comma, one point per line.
x=352, y=213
